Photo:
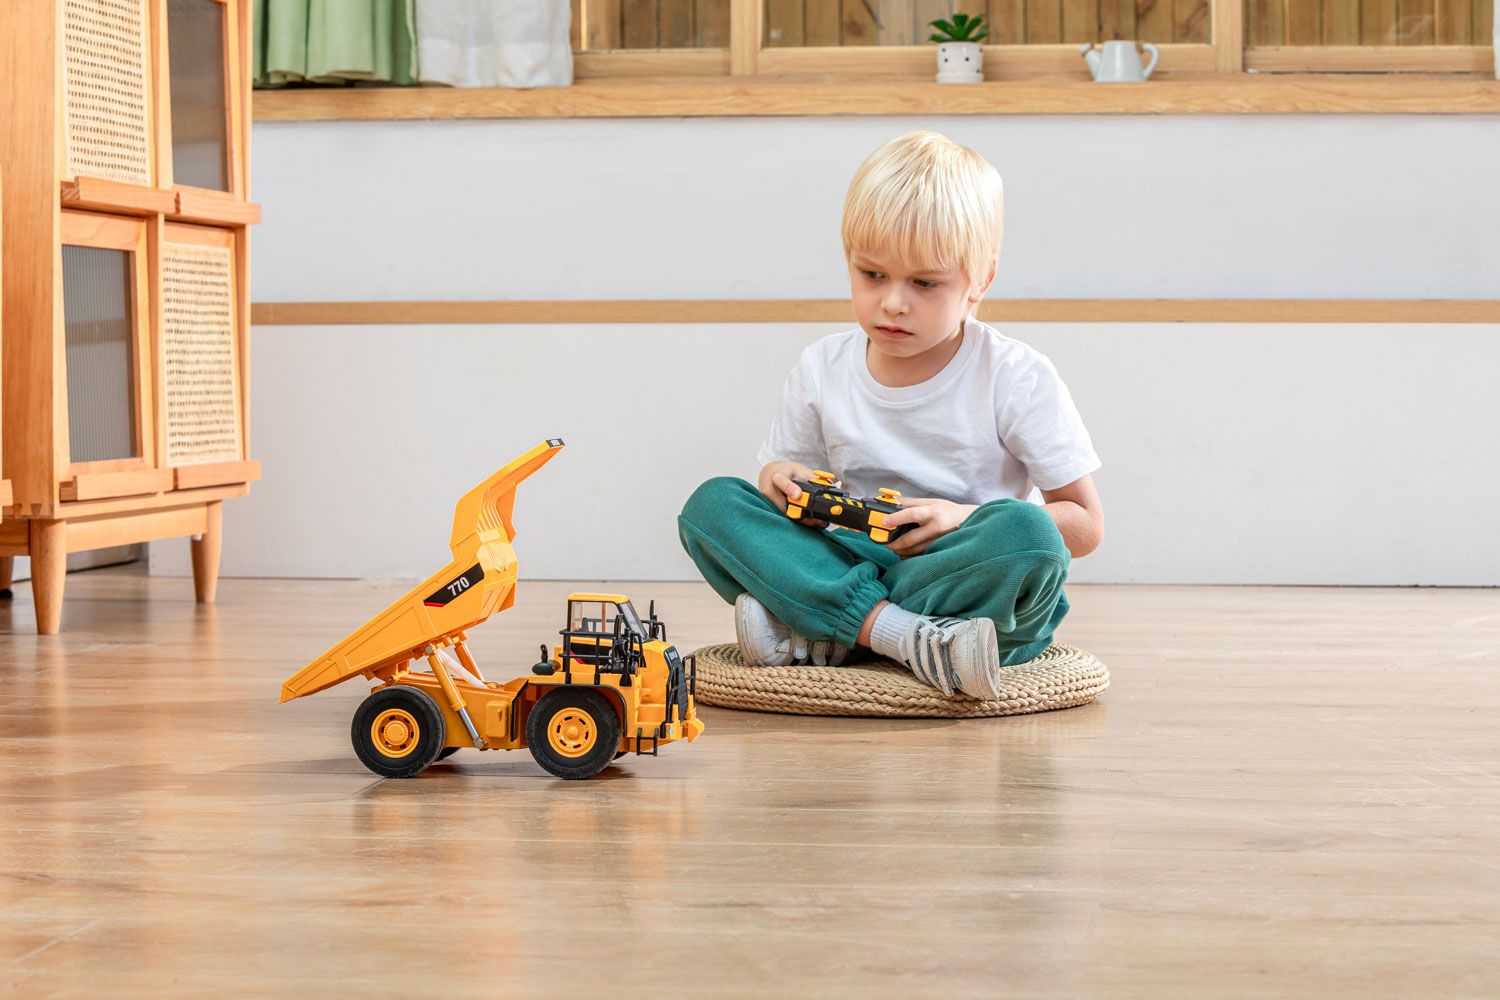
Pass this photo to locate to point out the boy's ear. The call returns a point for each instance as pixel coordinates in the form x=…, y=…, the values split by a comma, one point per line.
x=989, y=280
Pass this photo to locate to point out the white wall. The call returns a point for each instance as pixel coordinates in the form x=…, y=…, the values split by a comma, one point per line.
x=1097, y=207
x=1233, y=453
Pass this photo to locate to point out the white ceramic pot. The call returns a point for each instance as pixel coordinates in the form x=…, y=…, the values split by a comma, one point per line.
x=960, y=62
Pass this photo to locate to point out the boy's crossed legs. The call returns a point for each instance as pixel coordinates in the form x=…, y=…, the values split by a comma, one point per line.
x=951, y=654
x=987, y=595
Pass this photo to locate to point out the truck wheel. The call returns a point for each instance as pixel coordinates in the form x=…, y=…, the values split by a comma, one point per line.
x=398, y=731
x=573, y=732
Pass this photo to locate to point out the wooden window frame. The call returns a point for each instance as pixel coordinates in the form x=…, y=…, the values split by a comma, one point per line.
x=1226, y=52
x=748, y=80
x=105, y=232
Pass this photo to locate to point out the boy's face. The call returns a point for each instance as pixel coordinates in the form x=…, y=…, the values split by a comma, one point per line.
x=907, y=311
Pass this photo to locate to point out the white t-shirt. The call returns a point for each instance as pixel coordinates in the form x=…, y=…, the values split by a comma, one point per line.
x=996, y=422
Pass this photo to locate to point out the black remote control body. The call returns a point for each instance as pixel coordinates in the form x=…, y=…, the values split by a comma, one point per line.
x=822, y=500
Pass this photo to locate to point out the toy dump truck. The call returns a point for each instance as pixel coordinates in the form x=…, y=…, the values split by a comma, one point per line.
x=613, y=686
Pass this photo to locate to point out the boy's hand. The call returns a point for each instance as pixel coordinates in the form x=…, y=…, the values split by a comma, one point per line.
x=776, y=483
x=933, y=519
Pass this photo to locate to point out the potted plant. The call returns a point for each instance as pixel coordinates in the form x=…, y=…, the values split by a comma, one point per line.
x=959, y=57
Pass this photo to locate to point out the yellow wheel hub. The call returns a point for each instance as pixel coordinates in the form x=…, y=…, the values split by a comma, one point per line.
x=572, y=732
x=395, y=732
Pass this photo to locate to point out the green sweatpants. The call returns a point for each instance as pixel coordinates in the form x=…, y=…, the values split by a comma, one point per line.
x=1007, y=562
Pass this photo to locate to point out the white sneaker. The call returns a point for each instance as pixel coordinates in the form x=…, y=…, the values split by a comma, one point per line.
x=766, y=641
x=955, y=654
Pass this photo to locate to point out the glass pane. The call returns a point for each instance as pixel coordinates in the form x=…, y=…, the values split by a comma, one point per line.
x=1010, y=22
x=651, y=24
x=200, y=124
x=592, y=617
x=101, y=355
x=1368, y=22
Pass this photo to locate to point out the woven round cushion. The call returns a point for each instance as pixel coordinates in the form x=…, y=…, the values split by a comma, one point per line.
x=1060, y=678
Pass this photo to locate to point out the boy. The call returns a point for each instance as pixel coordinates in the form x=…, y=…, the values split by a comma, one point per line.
x=976, y=430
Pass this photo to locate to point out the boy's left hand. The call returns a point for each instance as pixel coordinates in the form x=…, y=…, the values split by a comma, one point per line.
x=933, y=518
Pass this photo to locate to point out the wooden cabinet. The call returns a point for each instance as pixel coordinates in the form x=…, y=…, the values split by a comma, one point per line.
x=124, y=320
x=5, y=490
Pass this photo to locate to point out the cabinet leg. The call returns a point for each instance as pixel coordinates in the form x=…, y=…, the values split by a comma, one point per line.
x=48, y=541
x=206, y=549
x=7, y=575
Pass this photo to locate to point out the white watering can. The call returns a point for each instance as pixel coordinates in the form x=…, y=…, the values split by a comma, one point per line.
x=1119, y=62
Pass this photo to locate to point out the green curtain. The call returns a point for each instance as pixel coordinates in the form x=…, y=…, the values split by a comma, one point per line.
x=334, y=41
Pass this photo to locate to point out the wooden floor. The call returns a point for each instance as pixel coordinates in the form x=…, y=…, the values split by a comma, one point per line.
x=1287, y=792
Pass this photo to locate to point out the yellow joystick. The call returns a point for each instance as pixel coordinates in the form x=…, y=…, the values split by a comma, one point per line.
x=823, y=478
x=889, y=495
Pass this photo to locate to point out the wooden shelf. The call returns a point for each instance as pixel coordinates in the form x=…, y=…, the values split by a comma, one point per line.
x=182, y=204
x=1214, y=94
x=214, y=208
x=161, y=501
x=106, y=485
x=113, y=196
x=189, y=477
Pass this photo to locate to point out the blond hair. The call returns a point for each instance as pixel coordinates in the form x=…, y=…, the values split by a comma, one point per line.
x=935, y=204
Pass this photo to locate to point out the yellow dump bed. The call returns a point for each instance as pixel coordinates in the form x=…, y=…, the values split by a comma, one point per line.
x=479, y=581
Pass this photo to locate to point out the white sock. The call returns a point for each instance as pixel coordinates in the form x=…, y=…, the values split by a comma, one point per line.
x=889, y=627
x=951, y=654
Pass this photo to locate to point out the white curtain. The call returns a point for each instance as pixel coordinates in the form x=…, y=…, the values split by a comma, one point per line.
x=495, y=43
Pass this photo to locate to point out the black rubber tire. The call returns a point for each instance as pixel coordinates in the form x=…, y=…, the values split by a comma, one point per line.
x=447, y=752
x=606, y=724
x=432, y=735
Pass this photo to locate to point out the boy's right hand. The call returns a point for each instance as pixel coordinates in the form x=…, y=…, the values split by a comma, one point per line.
x=776, y=484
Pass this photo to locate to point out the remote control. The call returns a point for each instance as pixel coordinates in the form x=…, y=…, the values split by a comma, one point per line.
x=822, y=500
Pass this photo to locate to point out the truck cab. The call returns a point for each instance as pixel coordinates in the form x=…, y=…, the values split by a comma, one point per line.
x=605, y=632
x=614, y=678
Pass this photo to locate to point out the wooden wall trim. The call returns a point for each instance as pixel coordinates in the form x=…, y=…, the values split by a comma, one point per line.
x=778, y=96
x=718, y=311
